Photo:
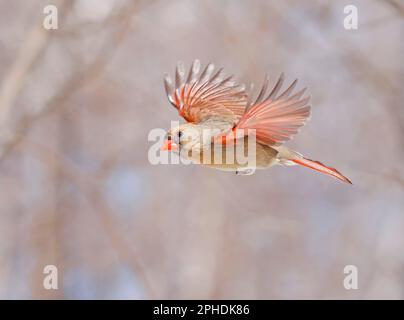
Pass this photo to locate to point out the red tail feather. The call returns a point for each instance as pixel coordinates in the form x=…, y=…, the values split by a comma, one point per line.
x=318, y=166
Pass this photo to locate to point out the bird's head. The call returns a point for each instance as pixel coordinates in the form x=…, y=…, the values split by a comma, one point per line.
x=185, y=136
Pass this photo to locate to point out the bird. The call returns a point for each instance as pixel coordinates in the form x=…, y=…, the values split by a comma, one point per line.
x=222, y=116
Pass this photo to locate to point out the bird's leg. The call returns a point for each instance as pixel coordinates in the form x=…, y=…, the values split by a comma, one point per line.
x=245, y=171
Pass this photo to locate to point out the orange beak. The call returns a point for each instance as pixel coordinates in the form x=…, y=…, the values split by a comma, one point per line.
x=168, y=145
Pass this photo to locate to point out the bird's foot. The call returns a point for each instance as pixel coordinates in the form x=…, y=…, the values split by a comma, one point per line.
x=245, y=172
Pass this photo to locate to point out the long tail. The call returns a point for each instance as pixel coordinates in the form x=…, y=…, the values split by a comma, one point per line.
x=290, y=157
x=318, y=166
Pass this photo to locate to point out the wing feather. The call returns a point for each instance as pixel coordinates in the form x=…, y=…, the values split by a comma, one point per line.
x=278, y=117
x=206, y=94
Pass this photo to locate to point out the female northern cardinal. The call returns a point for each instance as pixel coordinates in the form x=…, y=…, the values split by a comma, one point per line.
x=220, y=115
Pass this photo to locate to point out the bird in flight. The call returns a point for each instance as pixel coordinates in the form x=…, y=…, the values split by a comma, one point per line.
x=221, y=115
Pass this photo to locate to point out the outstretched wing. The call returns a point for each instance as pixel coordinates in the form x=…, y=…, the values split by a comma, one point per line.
x=276, y=117
x=204, y=95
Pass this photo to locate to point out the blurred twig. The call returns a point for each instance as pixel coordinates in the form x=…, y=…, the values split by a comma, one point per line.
x=89, y=189
x=28, y=54
x=77, y=81
x=396, y=6
x=83, y=76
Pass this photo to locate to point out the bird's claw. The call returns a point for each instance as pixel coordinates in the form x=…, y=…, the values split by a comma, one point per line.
x=245, y=172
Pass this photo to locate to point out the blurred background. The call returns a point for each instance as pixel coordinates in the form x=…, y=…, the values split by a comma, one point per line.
x=77, y=190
